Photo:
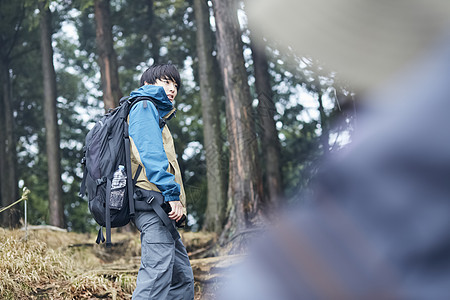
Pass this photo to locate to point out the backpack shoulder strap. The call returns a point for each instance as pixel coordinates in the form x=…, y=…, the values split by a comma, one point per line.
x=123, y=99
x=162, y=122
x=108, y=214
x=83, y=181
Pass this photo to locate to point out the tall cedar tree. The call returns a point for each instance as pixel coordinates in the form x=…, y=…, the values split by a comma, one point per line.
x=153, y=32
x=245, y=184
x=268, y=132
x=3, y=187
x=107, y=57
x=8, y=164
x=216, y=197
x=12, y=14
x=51, y=119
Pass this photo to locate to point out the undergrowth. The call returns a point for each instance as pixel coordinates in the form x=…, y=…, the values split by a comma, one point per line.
x=44, y=267
x=65, y=265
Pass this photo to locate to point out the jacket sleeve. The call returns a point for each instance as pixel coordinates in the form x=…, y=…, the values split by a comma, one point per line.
x=145, y=131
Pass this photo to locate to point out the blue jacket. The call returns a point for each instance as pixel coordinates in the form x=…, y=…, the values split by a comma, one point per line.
x=146, y=137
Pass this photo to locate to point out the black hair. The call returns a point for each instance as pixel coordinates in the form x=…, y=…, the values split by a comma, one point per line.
x=164, y=71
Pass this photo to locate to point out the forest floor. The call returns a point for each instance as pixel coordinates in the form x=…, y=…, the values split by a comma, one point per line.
x=51, y=264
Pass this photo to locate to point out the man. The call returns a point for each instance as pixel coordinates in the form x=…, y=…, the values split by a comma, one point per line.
x=165, y=271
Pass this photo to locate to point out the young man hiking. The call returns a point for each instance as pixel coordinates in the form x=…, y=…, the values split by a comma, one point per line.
x=165, y=271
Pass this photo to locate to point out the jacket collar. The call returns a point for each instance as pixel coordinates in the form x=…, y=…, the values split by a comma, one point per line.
x=165, y=107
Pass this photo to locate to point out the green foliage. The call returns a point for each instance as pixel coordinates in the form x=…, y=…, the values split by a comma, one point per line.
x=85, y=26
x=187, y=132
x=73, y=130
x=143, y=34
x=301, y=152
x=19, y=48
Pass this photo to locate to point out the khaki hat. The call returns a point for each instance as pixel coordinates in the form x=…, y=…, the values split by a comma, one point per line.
x=365, y=41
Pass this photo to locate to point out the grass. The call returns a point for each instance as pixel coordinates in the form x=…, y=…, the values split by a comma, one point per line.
x=45, y=267
x=27, y=264
x=66, y=265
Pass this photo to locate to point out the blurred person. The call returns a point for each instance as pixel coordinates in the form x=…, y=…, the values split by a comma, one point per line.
x=378, y=225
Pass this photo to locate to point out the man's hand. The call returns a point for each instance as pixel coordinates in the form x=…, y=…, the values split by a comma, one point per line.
x=177, y=210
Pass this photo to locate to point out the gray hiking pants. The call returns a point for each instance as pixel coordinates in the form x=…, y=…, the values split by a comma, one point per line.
x=165, y=271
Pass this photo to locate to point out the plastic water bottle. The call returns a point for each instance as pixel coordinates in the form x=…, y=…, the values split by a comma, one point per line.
x=118, y=184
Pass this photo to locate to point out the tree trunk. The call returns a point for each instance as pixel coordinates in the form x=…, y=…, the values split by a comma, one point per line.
x=51, y=120
x=156, y=45
x=150, y=12
x=153, y=32
x=245, y=185
x=268, y=132
x=8, y=170
x=325, y=135
x=3, y=187
x=216, y=199
x=106, y=55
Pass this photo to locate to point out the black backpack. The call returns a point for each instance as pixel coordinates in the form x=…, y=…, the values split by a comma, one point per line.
x=106, y=147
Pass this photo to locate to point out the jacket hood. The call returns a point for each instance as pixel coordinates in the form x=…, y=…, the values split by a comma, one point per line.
x=157, y=93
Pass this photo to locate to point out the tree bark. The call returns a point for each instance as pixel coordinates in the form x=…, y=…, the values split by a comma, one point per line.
x=9, y=187
x=156, y=45
x=216, y=198
x=325, y=135
x=245, y=185
x=107, y=57
x=3, y=175
x=268, y=132
x=8, y=152
x=153, y=32
x=2, y=160
x=150, y=12
x=51, y=120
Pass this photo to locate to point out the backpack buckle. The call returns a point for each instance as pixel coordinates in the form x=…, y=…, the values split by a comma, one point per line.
x=149, y=200
x=101, y=180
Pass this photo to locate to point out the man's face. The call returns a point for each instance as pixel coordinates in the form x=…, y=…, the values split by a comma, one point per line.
x=170, y=87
